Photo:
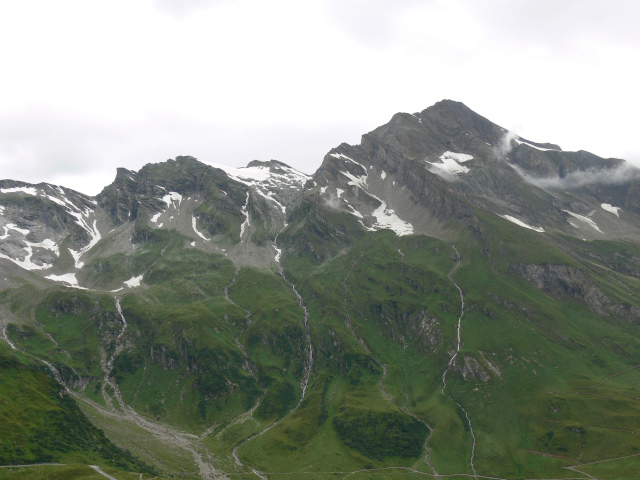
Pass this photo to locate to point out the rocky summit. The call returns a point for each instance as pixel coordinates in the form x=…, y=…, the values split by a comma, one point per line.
x=445, y=299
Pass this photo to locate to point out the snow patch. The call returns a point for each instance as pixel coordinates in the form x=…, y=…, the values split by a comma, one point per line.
x=26, y=263
x=387, y=218
x=48, y=244
x=76, y=258
x=522, y=142
x=360, y=181
x=27, y=190
x=339, y=192
x=522, y=224
x=13, y=226
x=251, y=175
x=458, y=157
x=195, y=229
x=354, y=211
x=155, y=218
x=340, y=155
x=134, y=281
x=450, y=163
x=193, y=244
x=95, y=238
x=69, y=278
x=247, y=222
x=584, y=219
x=58, y=201
x=172, y=197
x=262, y=179
x=383, y=175
x=610, y=208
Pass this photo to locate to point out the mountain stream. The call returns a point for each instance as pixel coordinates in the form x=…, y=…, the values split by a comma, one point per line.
x=304, y=383
x=455, y=355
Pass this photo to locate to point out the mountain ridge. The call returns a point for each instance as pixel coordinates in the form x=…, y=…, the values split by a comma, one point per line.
x=444, y=298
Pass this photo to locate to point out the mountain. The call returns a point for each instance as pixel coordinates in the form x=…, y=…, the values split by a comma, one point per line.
x=445, y=298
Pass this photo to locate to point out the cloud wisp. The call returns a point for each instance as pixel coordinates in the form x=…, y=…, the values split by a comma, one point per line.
x=504, y=147
x=331, y=202
x=607, y=176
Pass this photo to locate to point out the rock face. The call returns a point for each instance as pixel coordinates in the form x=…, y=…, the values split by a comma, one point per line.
x=564, y=280
x=38, y=219
x=412, y=175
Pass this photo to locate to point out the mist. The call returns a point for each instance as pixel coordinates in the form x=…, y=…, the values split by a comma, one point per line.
x=610, y=176
x=504, y=147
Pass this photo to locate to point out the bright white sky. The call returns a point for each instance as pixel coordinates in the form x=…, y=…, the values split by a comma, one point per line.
x=87, y=86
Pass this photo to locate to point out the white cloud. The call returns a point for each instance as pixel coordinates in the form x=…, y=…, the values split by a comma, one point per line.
x=91, y=85
x=622, y=174
x=181, y=8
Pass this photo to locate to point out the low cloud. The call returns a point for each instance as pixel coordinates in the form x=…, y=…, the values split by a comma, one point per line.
x=610, y=176
x=331, y=202
x=83, y=152
x=504, y=147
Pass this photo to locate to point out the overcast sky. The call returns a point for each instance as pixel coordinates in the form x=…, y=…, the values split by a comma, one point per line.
x=87, y=86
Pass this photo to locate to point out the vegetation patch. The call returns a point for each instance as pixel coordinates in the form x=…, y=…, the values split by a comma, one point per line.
x=379, y=435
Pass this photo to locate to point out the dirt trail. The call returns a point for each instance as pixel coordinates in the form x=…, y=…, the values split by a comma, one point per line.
x=453, y=358
x=99, y=470
x=599, y=384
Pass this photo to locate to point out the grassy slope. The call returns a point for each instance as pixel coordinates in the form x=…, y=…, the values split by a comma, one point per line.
x=537, y=409
x=527, y=418
x=39, y=422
